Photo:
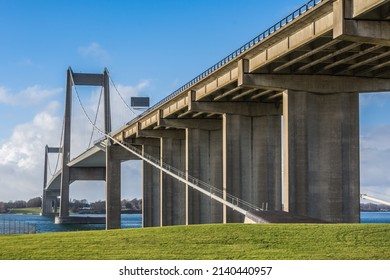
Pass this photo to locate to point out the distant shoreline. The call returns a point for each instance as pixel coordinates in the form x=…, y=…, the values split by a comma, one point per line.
x=37, y=211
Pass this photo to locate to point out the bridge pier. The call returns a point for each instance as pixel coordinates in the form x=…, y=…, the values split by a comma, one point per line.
x=114, y=156
x=173, y=192
x=321, y=155
x=252, y=161
x=65, y=176
x=49, y=204
x=113, y=189
x=204, y=162
x=151, y=186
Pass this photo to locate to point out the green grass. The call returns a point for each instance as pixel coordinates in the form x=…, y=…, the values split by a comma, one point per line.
x=233, y=241
x=32, y=210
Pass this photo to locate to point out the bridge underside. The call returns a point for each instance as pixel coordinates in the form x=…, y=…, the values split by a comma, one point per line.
x=90, y=165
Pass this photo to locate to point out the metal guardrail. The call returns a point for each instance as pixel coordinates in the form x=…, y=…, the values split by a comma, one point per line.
x=297, y=13
x=8, y=226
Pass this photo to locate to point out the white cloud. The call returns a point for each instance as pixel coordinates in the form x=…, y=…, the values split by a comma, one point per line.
x=376, y=99
x=375, y=161
x=95, y=51
x=29, y=96
x=22, y=154
x=26, y=62
x=23, y=148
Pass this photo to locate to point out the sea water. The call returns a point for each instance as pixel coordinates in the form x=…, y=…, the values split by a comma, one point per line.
x=375, y=217
x=46, y=224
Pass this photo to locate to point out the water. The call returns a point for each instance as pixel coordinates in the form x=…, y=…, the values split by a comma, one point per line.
x=375, y=217
x=46, y=224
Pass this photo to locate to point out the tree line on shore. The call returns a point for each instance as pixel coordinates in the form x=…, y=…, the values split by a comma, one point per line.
x=372, y=207
x=75, y=205
x=83, y=206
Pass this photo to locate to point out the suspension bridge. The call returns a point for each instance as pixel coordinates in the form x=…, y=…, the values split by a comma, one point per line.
x=212, y=150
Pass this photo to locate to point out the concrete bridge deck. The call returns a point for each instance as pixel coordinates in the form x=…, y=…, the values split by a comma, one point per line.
x=319, y=52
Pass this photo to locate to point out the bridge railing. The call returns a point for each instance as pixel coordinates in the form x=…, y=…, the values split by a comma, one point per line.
x=8, y=226
x=297, y=13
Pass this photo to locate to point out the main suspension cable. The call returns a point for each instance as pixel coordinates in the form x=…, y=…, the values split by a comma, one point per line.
x=96, y=115
x=58, y=154
x=121, y=97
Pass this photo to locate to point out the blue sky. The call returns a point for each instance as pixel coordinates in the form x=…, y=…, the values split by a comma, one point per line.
x=150, y=48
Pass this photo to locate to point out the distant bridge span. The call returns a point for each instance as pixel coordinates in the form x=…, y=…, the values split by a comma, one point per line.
x=224, y=126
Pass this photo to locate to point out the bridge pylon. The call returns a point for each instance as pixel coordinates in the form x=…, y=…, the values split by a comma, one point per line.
x=69, y=173
x=49, y=198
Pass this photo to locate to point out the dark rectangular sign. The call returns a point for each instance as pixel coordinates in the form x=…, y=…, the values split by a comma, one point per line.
x=139, y=101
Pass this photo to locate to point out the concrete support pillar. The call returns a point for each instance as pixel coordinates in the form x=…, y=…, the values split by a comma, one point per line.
x=252, y=161
x=151, y=189
x=107, y=106
x=47, y=204
x=44, y=208
x=113, y=188
x=321, y=155
x=204, y=162
x=172, y=192
x=55, y=205
x=65, y=176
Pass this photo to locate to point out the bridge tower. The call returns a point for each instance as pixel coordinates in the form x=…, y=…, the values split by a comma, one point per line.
x=110, y=173
x=49, y=198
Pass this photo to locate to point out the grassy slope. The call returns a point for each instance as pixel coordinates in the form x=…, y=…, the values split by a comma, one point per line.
x=32, y=210
x=234, y=241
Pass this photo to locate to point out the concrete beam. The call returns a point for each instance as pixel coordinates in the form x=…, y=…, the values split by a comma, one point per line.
x=365, y=6
x=120, y=153
x=54, y=150
x=316, y=83
x=84, y=79
x=356, y=30
x=144, y=141
x=87, y=173
x=206, y=124
x=243, y=67
x=366, y=31
x=239, y=108
x=172, y=134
